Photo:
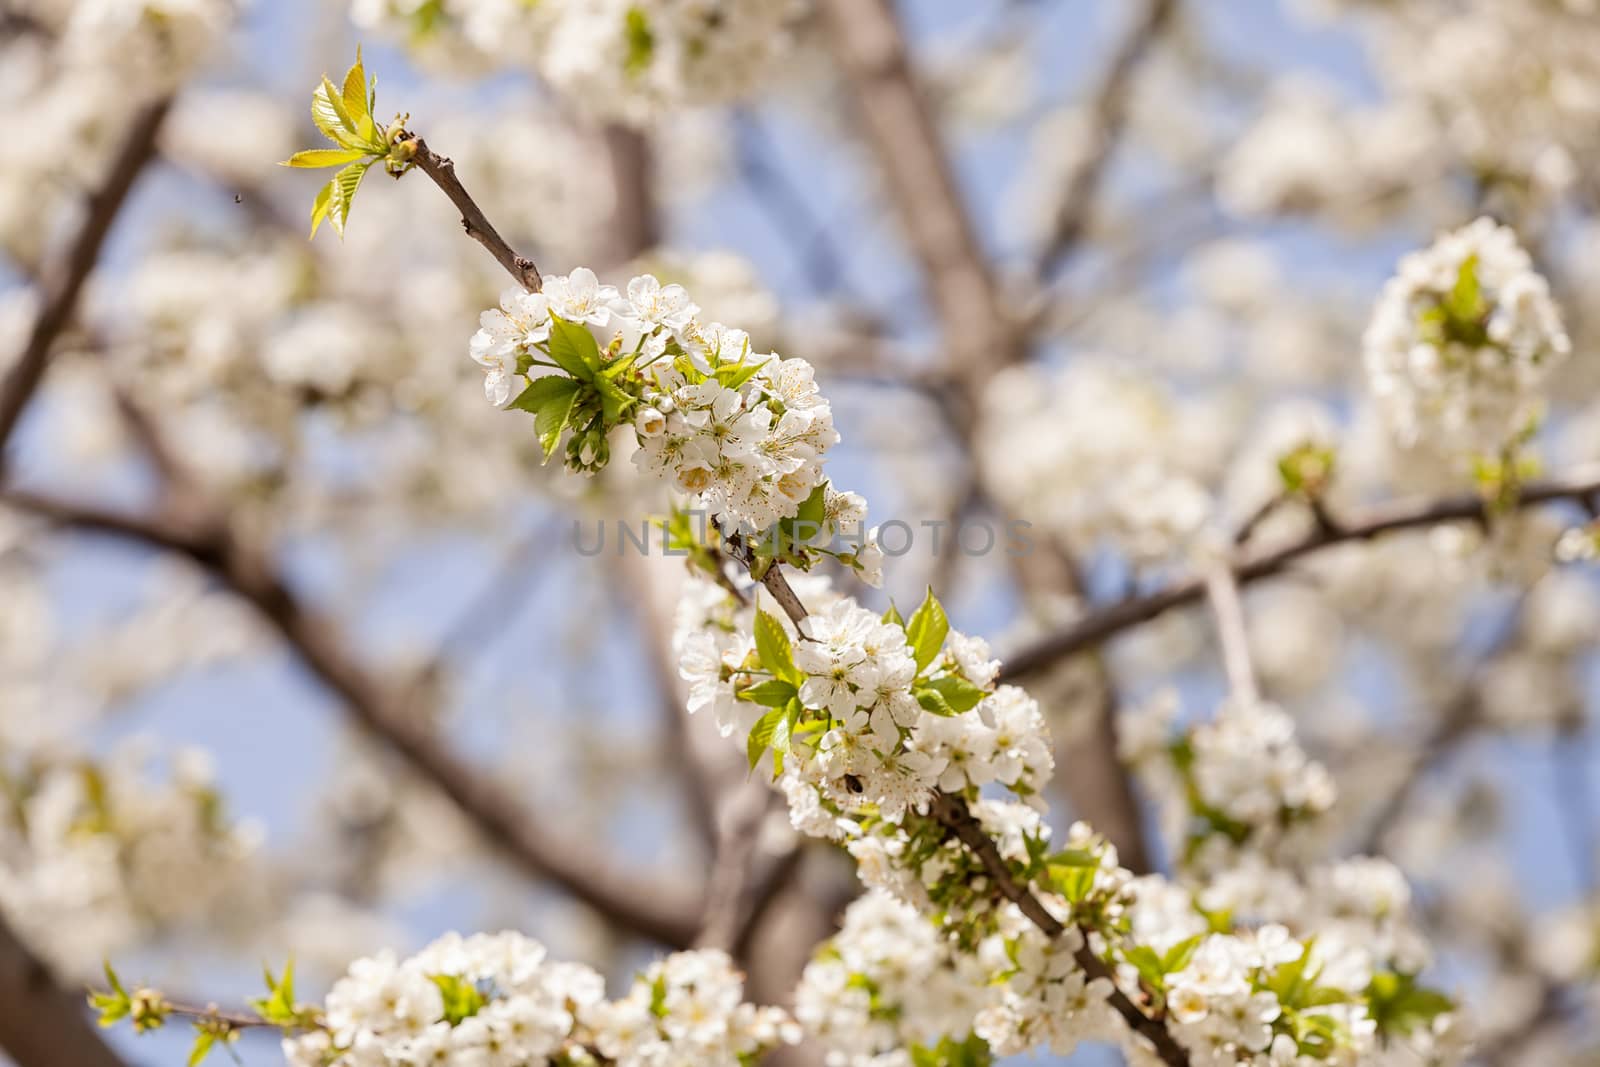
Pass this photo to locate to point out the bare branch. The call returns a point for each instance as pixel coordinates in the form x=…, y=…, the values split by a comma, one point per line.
x=478, y=227
x=872, y=52
x=1108, y=119
x=63, y=279
x=1107, y=623
x=44, y=1025
x=1232, y=633
x=667, y=913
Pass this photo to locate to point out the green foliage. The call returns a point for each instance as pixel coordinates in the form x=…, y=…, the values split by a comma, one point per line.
x=1398, y=1005
x=208, y=1034
x=927, y=630
x=112, y=1006
x=343, y=114
x=278, y=1007
x=971, y=1052
x=591, y=400
x=1462, y=315
x=1307, y=469
x=146, y=1009
x=462, y=1000
x=640, y=40
x=789, y=538
x=772, y=731
x=772, y=693
x=775, y=649
x=949, y=694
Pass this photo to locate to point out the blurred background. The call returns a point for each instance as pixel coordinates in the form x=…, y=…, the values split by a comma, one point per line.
x=298, y=653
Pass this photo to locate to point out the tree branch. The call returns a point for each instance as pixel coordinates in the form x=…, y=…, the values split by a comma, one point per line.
x=478, y=227
x=979, y=331
x=1232, y=633
x=665, y=914
x=62, y=279
x=1108, y=622
x=43, y=1025
x=1109, y=118
x=872, y=53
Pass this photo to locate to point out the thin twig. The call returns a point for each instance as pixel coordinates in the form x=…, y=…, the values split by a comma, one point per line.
x=1232, y=633
x=1114, y=619
x=63, y=279
x=1109, y=111
x=478, y=227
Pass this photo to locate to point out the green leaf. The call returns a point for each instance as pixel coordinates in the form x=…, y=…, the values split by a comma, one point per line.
x=345, y=184
x=573, y=349
x=763, y=733
x=735, y=375
x=327, y=112
x=312, y=158
x=927, y=630
x=346, y=121
x=614, y=400
x=554, y=415
x=814, y=508
x=319, y=209
x=933, y=701
x=203, y=1042
x=356, y=103
x=775, y=649
x=1148, y=964
x=640, y=40
x=893, y=615
x=116, y=983
x=461, y=998
x=1398, y=1005
x=960, y=694
x=971, y=1052
x=772, y=693
x=542, y=390
x=1179, y=955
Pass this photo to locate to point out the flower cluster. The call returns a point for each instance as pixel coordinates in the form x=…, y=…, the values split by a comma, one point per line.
x=1130, y=476
x=888, y=981
x=496, y=998
x=1461, y=341
x=95, y=855
x=155, y=43
x=1238, y=782
x=745, y=435
x=618, y=58
x=1046, y=998
x=872, y=712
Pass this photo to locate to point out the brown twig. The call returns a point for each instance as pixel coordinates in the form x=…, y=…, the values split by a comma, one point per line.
x=63, y=278
x=1109, y=117
x=666, y=914
x=1108, y=622
x=478, y=227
